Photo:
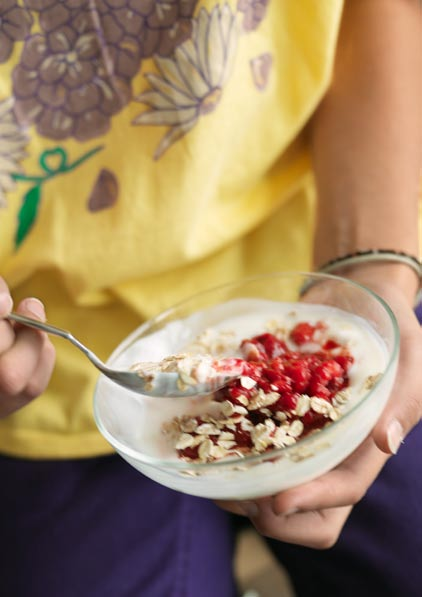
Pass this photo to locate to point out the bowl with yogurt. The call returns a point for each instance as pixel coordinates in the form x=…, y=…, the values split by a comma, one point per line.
x=315, y=358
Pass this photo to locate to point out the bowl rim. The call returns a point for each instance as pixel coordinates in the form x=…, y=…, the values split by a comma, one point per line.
x=250, y=459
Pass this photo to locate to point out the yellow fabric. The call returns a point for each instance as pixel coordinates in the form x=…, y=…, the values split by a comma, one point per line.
x=229, y=195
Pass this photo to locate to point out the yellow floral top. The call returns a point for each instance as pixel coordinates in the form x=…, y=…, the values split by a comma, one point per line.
x=148, y=149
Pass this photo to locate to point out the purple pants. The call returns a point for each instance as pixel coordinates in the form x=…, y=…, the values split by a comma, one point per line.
x=380, y=549
x=98, y=528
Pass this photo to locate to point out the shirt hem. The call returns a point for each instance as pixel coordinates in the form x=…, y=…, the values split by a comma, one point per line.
x=35, y=445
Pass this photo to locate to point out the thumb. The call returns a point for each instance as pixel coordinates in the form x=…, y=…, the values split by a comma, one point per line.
x=395, y=424
x=404, y=409
x=389, y=436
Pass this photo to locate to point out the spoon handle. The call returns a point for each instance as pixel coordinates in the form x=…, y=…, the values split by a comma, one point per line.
x=52, y=329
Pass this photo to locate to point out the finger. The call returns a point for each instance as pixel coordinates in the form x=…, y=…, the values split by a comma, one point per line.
x=42, y=372
x=345, y=485
x=17, y=365
x=241, y=507
x=404, y=409
x=6, y=301
x=317, y=529
x=37, y=382
x=7, y=336
x=32, y=307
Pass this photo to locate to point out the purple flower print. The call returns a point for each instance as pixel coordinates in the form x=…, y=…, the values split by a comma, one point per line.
x=167, y=26
x=76, y=73
x=15, y=25
x=260, y=68
x=159, y=26
x=53, y=14
x=254, y=11
x=69, y=86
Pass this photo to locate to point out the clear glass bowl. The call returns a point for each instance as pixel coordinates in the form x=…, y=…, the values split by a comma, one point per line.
x=132, y=423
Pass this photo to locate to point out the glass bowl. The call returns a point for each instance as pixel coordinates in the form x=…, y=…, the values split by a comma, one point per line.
x=132, y=423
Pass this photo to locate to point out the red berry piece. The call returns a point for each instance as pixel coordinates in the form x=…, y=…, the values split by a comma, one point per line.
x=287, y=401
x=277, y=365
x=283, y=384
x=242, y=438
x=274, y=347
x=327, y=371
x=235, y=391
x=265, y=386
x=270, y=374
x=191, y=452
x=253, y=351
x=300, y=375
x=345, y=361
x=312, y=420
x=318, y=389
x=302, y=332
x=331, y=345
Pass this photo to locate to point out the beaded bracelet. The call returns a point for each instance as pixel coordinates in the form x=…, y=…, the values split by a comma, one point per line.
x=379, y=255
x=368, y=256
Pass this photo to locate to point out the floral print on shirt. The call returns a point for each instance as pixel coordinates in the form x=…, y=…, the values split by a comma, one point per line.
x=75, y=71
x=190, y=83
x=13, y=141
x=15, y=25
x=75, y=74
x=260, y=69
x=105, y=191
x=75, y=65
x=254, y=11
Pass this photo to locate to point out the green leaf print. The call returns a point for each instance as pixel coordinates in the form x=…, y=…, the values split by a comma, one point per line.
x=27, y=213
x=53, y=162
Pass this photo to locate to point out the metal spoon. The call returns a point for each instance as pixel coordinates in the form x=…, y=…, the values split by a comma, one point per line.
x=164, y=385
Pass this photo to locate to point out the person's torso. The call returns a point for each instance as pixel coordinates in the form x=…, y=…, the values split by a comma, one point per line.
x=141, y=143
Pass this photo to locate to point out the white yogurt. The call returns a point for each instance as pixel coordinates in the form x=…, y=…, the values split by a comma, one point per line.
x=237, y=320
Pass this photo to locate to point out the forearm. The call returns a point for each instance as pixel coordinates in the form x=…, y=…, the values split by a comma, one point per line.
x=366, y=136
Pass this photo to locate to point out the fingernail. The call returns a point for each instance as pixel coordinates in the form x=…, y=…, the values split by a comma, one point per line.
x=35, y=306
x=6, y=303
x=250, y=509
x=395, y=436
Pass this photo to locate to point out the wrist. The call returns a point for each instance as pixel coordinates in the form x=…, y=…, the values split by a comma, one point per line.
x=384, y=278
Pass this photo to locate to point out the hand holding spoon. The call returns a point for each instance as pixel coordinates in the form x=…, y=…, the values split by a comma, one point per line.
x=147, y=378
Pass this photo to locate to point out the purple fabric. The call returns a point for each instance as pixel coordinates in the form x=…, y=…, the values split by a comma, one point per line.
x=98, y=528
x=419, y=311
x=380, y=549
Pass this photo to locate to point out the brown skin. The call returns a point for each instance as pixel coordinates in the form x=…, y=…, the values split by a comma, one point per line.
x=366, y=139
x=367, y=133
